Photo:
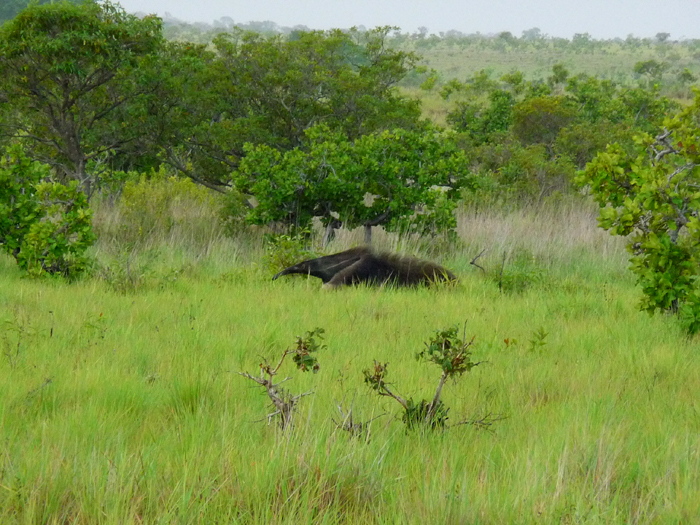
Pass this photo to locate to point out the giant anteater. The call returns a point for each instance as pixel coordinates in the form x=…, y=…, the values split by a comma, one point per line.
x=362, y=265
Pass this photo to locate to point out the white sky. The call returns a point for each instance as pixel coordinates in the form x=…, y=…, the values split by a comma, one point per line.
x=600, y=18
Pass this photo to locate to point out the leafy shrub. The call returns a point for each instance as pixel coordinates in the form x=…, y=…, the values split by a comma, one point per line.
x=284, y=402
x=539, y=120
x=437, y=220
x=530, y=172
x=232, y=213
x=446, y=350
x=284, y=250
x=652, y=197
x=484, y=124
x=45, y=226
x=379, y=179
x=111, y=182
x=582, y=141
x=511, y=170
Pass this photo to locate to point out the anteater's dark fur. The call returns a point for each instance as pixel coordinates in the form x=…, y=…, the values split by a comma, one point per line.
x=362, y=265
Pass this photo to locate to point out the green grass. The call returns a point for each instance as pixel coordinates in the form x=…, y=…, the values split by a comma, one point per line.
x=534, y=63
x=126, y=407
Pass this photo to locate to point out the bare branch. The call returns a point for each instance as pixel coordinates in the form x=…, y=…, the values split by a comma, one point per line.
x=473, y=261
x=664, y=141
x=482, y=423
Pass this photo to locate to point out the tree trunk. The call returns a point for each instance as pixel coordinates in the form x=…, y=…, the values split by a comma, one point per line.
x=374, y=222
x=329, y=232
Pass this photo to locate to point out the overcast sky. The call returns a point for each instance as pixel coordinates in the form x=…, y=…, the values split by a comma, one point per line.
x=600, y=18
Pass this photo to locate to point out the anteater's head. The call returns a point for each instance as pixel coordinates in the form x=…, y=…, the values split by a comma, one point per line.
x=302, y=267
x=326, y=267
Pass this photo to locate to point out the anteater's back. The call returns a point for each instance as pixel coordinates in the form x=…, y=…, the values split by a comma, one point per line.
x=410, y=271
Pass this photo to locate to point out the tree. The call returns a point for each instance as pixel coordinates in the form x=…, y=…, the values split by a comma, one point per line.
x=183, y=120
x=508, y=38
x=534, y=33
x=583, y=140
x=652, y=68
x=11, y=8
x=653, y=196
x=603, y=100
x=646, y=109
x=398, y=179
x=481, y=124
x=68, y=70
x=559, y=75
x=539, y=120
x=595, y=98
x=258, y=90
x=686, y=76
x=346, y=80
x=581, y=41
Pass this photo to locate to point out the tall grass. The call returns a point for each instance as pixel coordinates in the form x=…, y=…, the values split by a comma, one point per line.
x=123, y=405
x=163, y=230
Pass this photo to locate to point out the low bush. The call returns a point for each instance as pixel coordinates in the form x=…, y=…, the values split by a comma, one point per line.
x=46, y=226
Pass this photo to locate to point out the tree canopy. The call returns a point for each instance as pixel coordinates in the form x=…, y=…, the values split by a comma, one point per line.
x=84, y=85
x=652, y=195
x=398, y=179
x=11, y=8
x=67, y=71
x=252, y=89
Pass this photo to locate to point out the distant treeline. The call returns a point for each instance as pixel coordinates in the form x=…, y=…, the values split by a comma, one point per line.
x=532, y=38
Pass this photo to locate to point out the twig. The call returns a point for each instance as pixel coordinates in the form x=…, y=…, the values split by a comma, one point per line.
x=348, y=422
x=473, y=261
x=483, y=423
x=500, y=278
x=666, y=146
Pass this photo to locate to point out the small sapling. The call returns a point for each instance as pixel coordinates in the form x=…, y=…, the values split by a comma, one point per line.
x=538, y=340
x=447, y=351
x=302, y=354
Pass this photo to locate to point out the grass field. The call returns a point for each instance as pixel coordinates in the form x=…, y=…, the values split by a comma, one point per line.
x=126, y=407
x=535, y=64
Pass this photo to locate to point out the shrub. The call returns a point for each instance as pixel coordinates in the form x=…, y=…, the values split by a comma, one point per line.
x=482, y=124
x=284, y=402
x=538, y=120
x=232, y=213
x=582, y=141
x=652, y=198
x=447, y=351
x=284, y=250
x=509, y=169
x=44, y=225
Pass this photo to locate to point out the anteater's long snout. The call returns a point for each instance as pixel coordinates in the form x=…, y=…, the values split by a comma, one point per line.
x=286, y=271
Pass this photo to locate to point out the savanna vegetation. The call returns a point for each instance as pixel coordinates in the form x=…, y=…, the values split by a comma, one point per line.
x=154, y=175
